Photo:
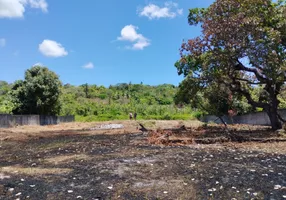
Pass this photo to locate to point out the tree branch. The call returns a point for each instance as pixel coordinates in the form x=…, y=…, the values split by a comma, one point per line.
x=258, y=75
x=235, y=86
x=249, y=82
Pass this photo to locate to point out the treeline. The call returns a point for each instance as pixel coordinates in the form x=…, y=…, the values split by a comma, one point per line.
x=41, y=92
x=93, y=102
x=99, y=103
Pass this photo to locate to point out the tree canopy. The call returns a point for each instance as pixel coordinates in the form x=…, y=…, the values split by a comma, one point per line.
x=38, y=93
x=242, y=46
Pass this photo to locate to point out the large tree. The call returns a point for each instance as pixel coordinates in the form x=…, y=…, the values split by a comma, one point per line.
x=38, y=93
x=242, y=46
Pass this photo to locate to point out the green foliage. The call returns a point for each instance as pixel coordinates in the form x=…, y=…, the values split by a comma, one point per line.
x=38, y=94
x=6, y=104
x=117, y=101
x=242, y=46
x=150, y=102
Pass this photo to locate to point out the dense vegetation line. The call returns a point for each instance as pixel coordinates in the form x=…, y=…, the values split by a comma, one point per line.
x=91, y=102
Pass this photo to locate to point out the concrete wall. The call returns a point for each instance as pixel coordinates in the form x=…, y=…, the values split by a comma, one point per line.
x=49, y=120
x=25, y=119
x=258, y=118
x=5, y=121
x=20, y=120
x=64, y=119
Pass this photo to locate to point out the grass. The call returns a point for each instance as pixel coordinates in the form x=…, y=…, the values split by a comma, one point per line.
x=166, y=116
x=23, y=133
x=31, y=171
x=66, y=158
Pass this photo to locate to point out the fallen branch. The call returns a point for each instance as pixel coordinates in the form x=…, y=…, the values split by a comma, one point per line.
x=143, y=129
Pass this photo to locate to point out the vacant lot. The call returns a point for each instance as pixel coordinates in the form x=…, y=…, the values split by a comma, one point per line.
x=77, y=161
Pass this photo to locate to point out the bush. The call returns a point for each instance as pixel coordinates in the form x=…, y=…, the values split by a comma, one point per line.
x=197, y=114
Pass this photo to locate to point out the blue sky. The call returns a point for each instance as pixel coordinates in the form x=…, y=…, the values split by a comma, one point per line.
x=96, y=42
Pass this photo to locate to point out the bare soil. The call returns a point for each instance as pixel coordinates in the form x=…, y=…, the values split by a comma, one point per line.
x=73, y=161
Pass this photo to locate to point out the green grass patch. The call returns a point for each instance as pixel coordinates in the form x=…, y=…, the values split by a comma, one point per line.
x=109, y=117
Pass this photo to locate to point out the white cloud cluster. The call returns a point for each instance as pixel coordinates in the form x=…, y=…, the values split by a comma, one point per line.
x=169, y=10
x=2, y=42
x=16, y=8
x=129, y=33
x=51, y=48
x=88, y=66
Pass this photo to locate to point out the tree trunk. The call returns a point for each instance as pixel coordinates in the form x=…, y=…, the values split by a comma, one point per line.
x=275, y=122
x=272, y=112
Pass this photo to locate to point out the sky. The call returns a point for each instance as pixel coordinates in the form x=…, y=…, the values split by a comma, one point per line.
x=95, y=41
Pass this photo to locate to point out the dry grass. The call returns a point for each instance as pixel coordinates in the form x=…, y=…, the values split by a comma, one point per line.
x=22, y=133
x=31, y=171
x=66, y=158
x=155, y=137
x=166, y=124
x=275, y=147
x=132, y=168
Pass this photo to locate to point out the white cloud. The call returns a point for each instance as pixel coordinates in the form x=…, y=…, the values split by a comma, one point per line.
x=141, y=44
x=2, y=42
x=16, y=8
x=38, y=64
x=152, y=11
x=40, y=4
x=51, y=48
x=88, y=66
x=129, y=33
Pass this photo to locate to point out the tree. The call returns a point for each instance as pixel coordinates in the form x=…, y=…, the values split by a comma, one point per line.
x=38, y=93
x=242, y=46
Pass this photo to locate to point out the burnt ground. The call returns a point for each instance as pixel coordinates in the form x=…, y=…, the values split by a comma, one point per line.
x=73, y=165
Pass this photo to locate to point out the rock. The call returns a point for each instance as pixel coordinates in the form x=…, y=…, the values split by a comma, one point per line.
x=277, y=187
x=2, y=176
x=18, y=194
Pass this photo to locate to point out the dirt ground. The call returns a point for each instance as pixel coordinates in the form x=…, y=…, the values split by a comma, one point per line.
x=77, y=161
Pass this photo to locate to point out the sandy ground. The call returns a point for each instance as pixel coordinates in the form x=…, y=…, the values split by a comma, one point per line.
x=74, y=161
